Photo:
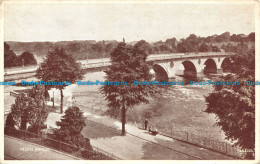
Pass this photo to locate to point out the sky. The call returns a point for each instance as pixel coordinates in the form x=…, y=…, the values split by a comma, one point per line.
x=27, y=22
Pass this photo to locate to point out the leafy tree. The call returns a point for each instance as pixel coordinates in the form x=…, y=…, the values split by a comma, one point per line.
x=98, y=47
x=28, y=108
x=182, y=47
x=59, y=67
x=251, y=36
x=9, y=56
x=39, y=95
x=215, y=49
x=242, y=47
x=209, y=39
x=190, y=44
x=110, y=47
x=9, y=124
x=234, y=106
x=25, y=58
x=128, y=65
x=204, y=48
x=231, y=48
x=225, y=36
x=171, y=43
x=71, y=125
x=234, y=38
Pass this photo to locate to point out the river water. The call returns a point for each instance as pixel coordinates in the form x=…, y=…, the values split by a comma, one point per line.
x=178, y=108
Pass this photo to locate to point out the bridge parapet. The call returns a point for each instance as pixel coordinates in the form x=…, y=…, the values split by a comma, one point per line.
x=102, y=63
x=187, y=55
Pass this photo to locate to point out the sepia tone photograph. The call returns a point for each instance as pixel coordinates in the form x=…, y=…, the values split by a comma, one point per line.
x=151, y=80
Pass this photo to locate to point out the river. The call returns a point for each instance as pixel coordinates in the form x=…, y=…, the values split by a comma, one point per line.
x=178, y=108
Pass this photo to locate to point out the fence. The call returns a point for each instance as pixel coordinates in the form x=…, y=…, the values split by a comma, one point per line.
x=204, y=142
x=99, y=108
x=90, y=153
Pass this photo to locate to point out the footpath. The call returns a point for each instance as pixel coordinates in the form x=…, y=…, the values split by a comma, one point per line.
x=105, y=134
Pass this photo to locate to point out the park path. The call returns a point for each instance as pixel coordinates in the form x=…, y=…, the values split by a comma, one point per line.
x=104, y=133
x=19, y=149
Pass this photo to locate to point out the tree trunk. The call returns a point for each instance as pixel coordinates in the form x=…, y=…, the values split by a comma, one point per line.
x=61, y=101
x=123, y=119
x=23, y=124
x=53, y=100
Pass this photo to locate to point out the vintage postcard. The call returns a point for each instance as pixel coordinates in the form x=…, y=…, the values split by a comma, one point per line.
x=95, y=81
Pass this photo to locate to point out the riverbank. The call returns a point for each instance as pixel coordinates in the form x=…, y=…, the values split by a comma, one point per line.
x=179, y=108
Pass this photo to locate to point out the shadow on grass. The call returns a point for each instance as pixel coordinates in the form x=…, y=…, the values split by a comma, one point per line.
x=93, y=130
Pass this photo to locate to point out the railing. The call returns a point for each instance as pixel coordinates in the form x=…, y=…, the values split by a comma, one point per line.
x=90, y=153
x=97, y=107
x=204, y=142
x=186, y=55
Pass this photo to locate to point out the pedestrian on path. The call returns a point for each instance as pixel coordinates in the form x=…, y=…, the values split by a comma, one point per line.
x=145, y=124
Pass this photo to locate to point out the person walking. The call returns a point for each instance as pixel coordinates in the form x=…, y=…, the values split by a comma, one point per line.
x=145, y=124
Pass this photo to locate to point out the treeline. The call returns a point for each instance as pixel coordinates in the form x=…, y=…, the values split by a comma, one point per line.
x=80, y=50
x=11, y=60
x=90, y=49
x=215, y=43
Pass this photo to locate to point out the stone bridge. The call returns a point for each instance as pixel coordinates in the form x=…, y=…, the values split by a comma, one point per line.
x=164, y=65
x=189, y=65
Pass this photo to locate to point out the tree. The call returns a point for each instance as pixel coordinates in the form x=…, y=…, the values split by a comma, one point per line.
x=59, y=67
x=9, y=124
x=182, y=47
x=234, y=106
x=71, y=125
x=171, y=43
x=190, y=44
x=209, y=39
x=128, y=65
x=225, y=36
x=251, y=37
x=215, y=49
x=29, y=108
x=110, y=47
x=204, y=48
x=9, y=56
x=25, y=58
x=37, y=119
x=234, y=38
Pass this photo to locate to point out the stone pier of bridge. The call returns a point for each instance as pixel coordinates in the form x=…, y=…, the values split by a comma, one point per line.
x=189, y=67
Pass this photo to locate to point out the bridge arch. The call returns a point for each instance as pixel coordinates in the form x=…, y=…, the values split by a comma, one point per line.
x=161, y=73
x=210, y=66
x=226, y=65
x=189, y=69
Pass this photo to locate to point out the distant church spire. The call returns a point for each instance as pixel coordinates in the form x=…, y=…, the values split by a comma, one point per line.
x=124, y=40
